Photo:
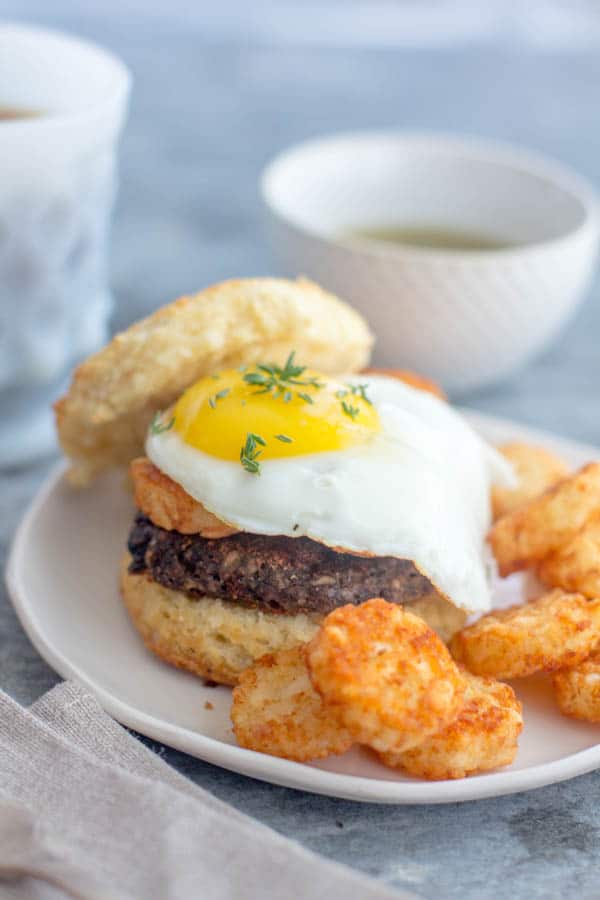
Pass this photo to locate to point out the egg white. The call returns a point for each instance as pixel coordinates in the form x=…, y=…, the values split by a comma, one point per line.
x=419, y=490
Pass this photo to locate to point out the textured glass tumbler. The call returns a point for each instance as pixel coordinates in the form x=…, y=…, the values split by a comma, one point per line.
x=68, y=100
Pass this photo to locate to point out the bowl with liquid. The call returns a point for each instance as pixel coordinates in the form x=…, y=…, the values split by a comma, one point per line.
x=466, y=256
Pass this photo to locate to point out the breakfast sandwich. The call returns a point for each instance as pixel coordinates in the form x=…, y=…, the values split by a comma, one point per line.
x=274, y=479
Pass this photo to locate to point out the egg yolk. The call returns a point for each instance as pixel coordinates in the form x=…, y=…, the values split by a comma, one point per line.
x=274, y=412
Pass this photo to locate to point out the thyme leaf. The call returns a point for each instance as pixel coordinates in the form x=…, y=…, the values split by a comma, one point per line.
x=212, y=401
x=269, y=378
x=249, y=453
x=359, y=390
x=158, y=427
x=350, y=410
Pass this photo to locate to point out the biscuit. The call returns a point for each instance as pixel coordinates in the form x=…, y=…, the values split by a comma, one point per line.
x=103, y=418
x=212, y=638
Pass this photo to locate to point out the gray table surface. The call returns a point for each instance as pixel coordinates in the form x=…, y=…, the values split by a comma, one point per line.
x=206, y=115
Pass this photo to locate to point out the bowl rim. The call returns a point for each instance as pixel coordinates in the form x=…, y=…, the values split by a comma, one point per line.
x=116, y=96
x=510, y=155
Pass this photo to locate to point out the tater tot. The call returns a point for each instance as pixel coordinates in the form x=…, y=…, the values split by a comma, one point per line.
x=576, y=566
x=536, y=470
x=526, y=536
x=387, y=674
x=483, y=736
x=555, y=631
x=412, y=379
x=577, y=690
x=276, y=710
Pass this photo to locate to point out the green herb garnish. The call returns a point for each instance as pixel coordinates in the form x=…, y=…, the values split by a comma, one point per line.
x=360, y=390
x=284, y=438
x=212, y=401
x=276, y=380
x=350, y=410
x=249, y=453
x=157, y=426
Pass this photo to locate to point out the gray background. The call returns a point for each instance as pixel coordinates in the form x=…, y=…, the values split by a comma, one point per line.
x=217, y=91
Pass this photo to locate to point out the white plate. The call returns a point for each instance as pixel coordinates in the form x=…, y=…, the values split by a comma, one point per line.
x=62, y=579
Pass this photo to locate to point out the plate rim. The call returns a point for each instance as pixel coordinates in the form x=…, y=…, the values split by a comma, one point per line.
x=271, y=769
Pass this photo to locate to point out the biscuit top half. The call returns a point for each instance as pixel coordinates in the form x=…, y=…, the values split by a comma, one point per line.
x=103, y=418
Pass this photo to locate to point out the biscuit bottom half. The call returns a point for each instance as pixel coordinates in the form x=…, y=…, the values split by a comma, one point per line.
x=217, y=639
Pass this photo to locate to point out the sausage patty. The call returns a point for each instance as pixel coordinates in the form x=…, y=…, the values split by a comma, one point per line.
x=279, y=574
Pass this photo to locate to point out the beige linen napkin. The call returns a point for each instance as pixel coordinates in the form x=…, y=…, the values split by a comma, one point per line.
x=88, y=812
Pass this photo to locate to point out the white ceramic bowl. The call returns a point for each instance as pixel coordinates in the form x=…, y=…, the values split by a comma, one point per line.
x=465, y=318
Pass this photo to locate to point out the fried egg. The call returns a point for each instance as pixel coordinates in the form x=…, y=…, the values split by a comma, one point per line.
x=363, y=464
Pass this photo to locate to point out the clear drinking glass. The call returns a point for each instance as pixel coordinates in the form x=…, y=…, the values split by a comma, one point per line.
x=62, y=106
